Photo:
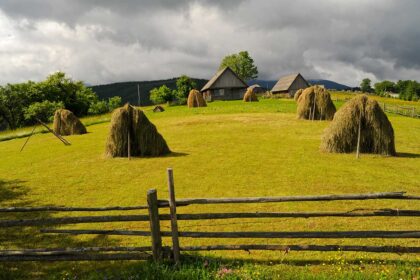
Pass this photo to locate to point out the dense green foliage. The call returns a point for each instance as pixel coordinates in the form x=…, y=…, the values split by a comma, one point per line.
x=407, y=90
x=365, y=85
x=22, y=103
x=43, y=111
x=130, y=91
x=184, y=85
x=242, y=64
x=164, y=94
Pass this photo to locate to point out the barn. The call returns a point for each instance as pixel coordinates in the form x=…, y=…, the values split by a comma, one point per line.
x=225, y=85
x=288, y=85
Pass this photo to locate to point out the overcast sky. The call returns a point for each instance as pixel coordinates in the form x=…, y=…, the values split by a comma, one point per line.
x=105, y=41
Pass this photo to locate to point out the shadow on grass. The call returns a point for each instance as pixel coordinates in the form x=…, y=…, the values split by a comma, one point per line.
x=408, y=155
x=14, y=193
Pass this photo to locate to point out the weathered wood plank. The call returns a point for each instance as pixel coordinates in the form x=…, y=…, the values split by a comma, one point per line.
x=174, y=222
x=70, y=209
x=152, y=202
x=325, y=248
x=303, y=234
x=80, y=257
x=98, y=231
x=51, y=251
x=73, y=220
x=386, y=195
x=351, y=214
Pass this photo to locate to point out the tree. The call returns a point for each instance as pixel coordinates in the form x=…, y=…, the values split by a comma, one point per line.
x=381, y=88
x=99, y=107
x=114, y=103
x=41, y=110
x=161, y=95
x=365, y=85
x=184, y=85
x=242, y=64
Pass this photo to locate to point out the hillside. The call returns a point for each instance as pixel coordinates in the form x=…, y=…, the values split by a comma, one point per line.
x=329, y=84
x=128, y=90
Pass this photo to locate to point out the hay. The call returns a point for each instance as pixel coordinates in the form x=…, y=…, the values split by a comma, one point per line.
x=158, y=109
x=207, y=96
x=250, y=96
x=377, y=134
x=66, y=123
x=315, y=103
x=195, y=99
x=297, y=94
x=145, y=140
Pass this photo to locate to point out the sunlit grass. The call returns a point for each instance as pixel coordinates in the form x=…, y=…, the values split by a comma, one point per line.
x=228, y=149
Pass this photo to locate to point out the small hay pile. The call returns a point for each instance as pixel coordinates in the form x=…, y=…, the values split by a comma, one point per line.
x=130, y=125
x=250, y=96
x=376, y=132
x=297, y=94
x=195, y=99
x=66, y=123
x=315, y=103
x=158, y=109
x=207, y=96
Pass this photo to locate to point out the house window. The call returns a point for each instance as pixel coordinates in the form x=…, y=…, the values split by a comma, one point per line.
x=219, y=92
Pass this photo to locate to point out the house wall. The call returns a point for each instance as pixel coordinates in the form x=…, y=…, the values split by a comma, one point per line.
x=228, y=80
x=299, y=83
x=227, y=93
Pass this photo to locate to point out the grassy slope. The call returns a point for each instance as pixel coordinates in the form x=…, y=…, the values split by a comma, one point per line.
x=227, y=149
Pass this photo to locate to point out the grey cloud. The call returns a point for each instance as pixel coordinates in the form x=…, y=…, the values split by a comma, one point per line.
x=105, y=41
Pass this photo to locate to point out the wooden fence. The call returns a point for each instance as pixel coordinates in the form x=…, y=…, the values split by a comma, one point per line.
x=159, y=252
x=407, y=111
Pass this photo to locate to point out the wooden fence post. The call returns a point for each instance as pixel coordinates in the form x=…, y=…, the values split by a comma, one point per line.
x=174, y=222
x=152, y=203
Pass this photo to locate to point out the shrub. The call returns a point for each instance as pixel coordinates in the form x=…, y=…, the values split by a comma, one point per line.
x=100, y=107
x=114, y=103
x=41, y=110
x=161, y=95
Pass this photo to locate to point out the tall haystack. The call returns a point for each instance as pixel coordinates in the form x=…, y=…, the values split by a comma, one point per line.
x=250, y=95
x=195, y=99
x=315, y=103
x=66, y=123
x=376, y=132
x=297, y=94
x=130, y=125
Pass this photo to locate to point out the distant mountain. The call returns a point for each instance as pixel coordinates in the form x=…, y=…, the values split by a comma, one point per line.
x=329, y=84
x=128, y=90
x=269, y=84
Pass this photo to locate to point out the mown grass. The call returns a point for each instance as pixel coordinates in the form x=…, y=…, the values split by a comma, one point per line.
x=227, y=149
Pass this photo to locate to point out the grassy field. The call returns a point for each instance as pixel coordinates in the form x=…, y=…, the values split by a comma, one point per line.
x=228, y=149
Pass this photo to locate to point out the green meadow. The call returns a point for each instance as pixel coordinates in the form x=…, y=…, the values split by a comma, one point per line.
x=228, y=149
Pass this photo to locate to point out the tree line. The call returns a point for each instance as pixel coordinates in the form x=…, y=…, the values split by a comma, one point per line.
x=406, y=89
x=23, y=103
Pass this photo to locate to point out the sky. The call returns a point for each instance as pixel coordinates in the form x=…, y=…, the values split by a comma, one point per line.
x=106, y=41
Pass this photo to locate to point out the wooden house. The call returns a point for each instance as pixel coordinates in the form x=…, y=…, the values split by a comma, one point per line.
x=225, y=85
x=288, y=85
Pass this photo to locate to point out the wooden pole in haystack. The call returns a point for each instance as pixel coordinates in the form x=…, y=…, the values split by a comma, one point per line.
x=128, y=145
x=174, y=221
x=55, y=134
x=358, y=135
x=313, y=111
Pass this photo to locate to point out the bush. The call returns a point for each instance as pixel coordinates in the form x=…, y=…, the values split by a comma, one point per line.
x=100, y=107
x=161, y=95
x=41, y=110
x=114, y=103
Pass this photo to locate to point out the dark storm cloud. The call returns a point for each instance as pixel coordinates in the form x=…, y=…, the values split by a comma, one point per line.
x=104, y=41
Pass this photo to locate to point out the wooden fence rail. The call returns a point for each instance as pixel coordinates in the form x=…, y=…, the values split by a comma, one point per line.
x=158, y=251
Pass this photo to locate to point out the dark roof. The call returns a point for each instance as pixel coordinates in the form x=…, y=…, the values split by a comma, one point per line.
x=218, y=75
x=285, y=82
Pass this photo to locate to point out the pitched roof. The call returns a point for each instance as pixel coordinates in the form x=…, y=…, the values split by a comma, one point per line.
x=218, y=75
x=285, y=82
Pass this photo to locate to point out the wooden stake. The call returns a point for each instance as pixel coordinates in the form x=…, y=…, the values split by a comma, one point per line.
x=152, y=202
x=128, y=145
x=55, y=134
x=27, y=139
x=174, y=222
x=313, y=111
x=358, y=135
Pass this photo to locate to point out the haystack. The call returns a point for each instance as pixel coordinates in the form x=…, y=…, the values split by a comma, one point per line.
x=158, y=109
x=207, y=96
x=297, y=94
x=315, y=103
x=66, y=123
x=250, y=95
x=376, y=132
x=195, y=99
x=130, y=125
